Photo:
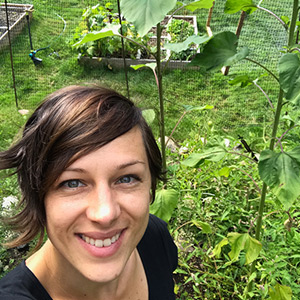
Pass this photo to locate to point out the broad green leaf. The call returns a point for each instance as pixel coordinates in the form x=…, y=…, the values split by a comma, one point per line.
x=221, y=50
x=96, y=35
x=139, y=66
x=191, y=107
x=145, y=14
x=242, y=80
x=233, y=6
x=149, y=115
x=281, y=171
x=152, y=66
x=193, y=160
x=285, y=19
x=289, y=76
x=205, y=227
x=199, y=4
x=225, y=171
x=252, y=248
x=218, y=248
x=164, y=204
x=280, y=292
x=212, y=154
x=194, y=39
x=237, y=242
x=244, y=242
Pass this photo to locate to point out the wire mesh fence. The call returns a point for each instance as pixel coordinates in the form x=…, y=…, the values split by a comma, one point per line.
x=41, y=36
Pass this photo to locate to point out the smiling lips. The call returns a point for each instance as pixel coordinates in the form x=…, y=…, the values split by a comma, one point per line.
x=100, y=243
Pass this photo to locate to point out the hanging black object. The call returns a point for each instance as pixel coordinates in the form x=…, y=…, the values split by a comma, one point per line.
x=36, y=60
x=247, y=147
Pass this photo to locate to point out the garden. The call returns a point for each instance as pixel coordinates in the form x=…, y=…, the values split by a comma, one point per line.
x=219, y=83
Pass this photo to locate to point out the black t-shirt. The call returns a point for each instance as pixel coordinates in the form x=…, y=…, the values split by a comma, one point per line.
x=157, y=251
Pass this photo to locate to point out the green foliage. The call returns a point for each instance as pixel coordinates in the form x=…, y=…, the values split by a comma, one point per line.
x=221, y=50
x=281, y=171
x=145, y=14
x=280, y=292
x=181, y=46
x=289, y=76
x=199, y=4
x=179, y=30
x=240, y=242
x=164, y=204
x=215, y=153
x=98, y=34
x=233, y=6
x=149, y=115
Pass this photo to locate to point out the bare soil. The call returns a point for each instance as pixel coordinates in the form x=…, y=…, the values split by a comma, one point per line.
x=13, y=16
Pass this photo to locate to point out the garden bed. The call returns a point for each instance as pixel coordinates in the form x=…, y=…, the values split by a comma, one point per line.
x=118, y=63
x=16, y=18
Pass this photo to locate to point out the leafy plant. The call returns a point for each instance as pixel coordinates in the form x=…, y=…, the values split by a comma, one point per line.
x=179, y=30
x=97, y=18
x=278, y=170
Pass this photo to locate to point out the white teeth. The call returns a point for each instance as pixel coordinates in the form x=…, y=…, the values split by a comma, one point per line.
x=101, y=243
x=107, y=242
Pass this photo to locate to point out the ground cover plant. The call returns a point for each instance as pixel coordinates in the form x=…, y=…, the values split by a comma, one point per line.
x=219, y=195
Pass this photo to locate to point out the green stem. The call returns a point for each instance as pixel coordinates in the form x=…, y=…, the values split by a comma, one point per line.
x=273, y=137
x=272, y=144
x=276, y=120
x=265, y=94
x=184, y=113
x=264, y=188
x=293, y=23
x=262, y=66
x=161, y=103
x=274, y=15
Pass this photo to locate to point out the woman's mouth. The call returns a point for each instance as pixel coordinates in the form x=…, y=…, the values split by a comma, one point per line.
x=100, y=243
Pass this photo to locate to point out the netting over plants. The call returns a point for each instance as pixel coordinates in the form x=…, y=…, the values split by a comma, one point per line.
x=43, y=59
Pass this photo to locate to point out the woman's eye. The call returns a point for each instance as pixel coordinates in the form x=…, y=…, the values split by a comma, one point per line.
x=72, y=184
x=128, y=179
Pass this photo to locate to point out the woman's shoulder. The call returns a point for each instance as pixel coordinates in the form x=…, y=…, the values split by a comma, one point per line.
x=21, y=284
x=157, y=242
x=159, y=256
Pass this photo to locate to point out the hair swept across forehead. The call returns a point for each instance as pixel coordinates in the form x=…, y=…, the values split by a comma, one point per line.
x=72, y=122
x=68, y=124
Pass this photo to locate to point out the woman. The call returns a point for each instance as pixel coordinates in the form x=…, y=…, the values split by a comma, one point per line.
x=87, y=165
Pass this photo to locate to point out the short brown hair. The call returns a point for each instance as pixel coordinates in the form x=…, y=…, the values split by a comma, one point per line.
x=69, y=124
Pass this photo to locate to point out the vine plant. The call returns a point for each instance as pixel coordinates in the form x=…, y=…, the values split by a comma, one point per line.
x=279, y=171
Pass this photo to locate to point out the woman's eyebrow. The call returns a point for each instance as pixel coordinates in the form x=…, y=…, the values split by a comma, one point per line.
x=121, y=166
x=130, y=163
x=78, y=170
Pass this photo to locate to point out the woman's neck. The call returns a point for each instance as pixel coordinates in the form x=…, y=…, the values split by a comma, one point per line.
x=63, y=282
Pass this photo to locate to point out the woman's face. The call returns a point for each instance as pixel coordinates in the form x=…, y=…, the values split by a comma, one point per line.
x=97, y=210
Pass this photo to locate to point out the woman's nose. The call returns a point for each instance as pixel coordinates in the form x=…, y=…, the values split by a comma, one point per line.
x=103, y=206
